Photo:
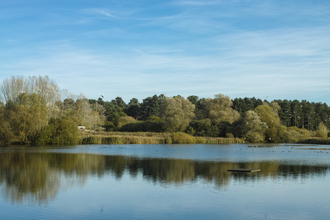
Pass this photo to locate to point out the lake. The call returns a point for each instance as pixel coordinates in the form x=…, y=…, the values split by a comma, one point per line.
x=165, y=182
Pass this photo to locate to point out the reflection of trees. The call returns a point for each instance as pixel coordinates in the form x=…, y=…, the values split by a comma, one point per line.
x=38, y=177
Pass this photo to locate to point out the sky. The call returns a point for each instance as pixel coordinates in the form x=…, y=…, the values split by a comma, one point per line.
x=268, y=49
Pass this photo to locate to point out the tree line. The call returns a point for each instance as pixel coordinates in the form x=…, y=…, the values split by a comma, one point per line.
x=35, y=110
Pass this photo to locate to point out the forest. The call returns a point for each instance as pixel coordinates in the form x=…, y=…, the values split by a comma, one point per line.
x=34, y=110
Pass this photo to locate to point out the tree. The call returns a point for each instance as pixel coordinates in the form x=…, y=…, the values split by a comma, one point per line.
x=193, y=99
x=285, y=112
x=296, y=112
x=178, y=112
x=253, y=129
x=133, y=108
x=322, y=131
x=220, y=108
x=150, y=106
x=24, y=116
x=44, y=87
x=120, y=102
x=269, y=115
x=59, y=131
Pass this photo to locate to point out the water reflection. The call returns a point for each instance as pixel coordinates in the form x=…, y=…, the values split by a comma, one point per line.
x=38, y=177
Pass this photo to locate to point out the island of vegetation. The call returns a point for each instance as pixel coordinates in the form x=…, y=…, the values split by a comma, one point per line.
x=35, y=111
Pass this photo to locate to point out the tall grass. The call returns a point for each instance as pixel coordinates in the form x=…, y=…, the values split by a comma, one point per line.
x=122, y=140
x=211, y=140
x=315, y=141
x=150, y=138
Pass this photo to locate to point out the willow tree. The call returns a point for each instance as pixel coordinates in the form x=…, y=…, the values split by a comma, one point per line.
x=322, y=131
x=177, y=114
x=219, y=109
x=269, y=115
x=24, y=117
x=253, y=129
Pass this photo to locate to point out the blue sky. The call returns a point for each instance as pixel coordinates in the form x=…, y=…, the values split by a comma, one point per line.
x=135, y=49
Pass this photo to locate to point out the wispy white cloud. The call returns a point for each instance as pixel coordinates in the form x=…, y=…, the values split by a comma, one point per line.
x=197, y=2
x=146, y=72
x=99, y=12
x=104, y=12
x=239, y=48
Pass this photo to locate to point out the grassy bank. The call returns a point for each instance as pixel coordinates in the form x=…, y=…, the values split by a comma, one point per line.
x=150, y=138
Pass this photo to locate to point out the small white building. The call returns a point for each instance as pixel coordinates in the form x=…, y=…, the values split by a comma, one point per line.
x=81, y=128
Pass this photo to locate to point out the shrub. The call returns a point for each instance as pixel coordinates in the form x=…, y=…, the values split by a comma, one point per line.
x=125, y=120
x=145, y=126
x=59, y=131
x=182, y=138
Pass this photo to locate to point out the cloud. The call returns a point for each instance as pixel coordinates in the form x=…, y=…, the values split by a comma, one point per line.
x=103, y=12
x=239, y=48
x=99, y=12
x=197, y=3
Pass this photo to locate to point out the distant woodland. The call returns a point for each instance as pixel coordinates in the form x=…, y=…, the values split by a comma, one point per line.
x=35, y=110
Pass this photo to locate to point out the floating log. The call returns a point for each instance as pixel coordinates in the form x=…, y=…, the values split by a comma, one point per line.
x=244, y=170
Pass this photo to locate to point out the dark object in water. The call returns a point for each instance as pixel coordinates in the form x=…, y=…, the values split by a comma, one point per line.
x=244, y=170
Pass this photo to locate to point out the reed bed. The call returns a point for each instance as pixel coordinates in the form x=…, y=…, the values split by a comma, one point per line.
x=211, y=140
x=150, y=138
x=315, y=141
x=122, y=140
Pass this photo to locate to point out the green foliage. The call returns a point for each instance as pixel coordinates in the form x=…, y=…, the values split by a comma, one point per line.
x=145, y=126
x=133, y=108
x=204, y=128
x=59, y=131
x=153, y=118
x=252, y=128
x=168, y=140
x=200, y=140
x=190, y=130
x=193, y=99
x=109, y=126
x=178, y=112
x=150, y=106
x=182, y=138
x=23, y=117
x=322, y=131
x=246, y=104
x=269, y=115
x=209, y=128
x=219, y=109
x=125, y=120
x=294, y=134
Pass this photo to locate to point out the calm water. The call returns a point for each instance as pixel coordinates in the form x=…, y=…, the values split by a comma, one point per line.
x=165, y=182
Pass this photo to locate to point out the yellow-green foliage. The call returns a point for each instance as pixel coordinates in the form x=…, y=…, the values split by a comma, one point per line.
x=151, y=138
x=220, y=109
x=178, y=112
x=168, y=140
x=294, y=134
x=253, y=129
x=211, y=140
x=59, y=131
x=122, y=140
x=154, y=119
x=200, y=140
x=322, y=131
x=182, y=138
x=270, y=116
x=125, y=120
